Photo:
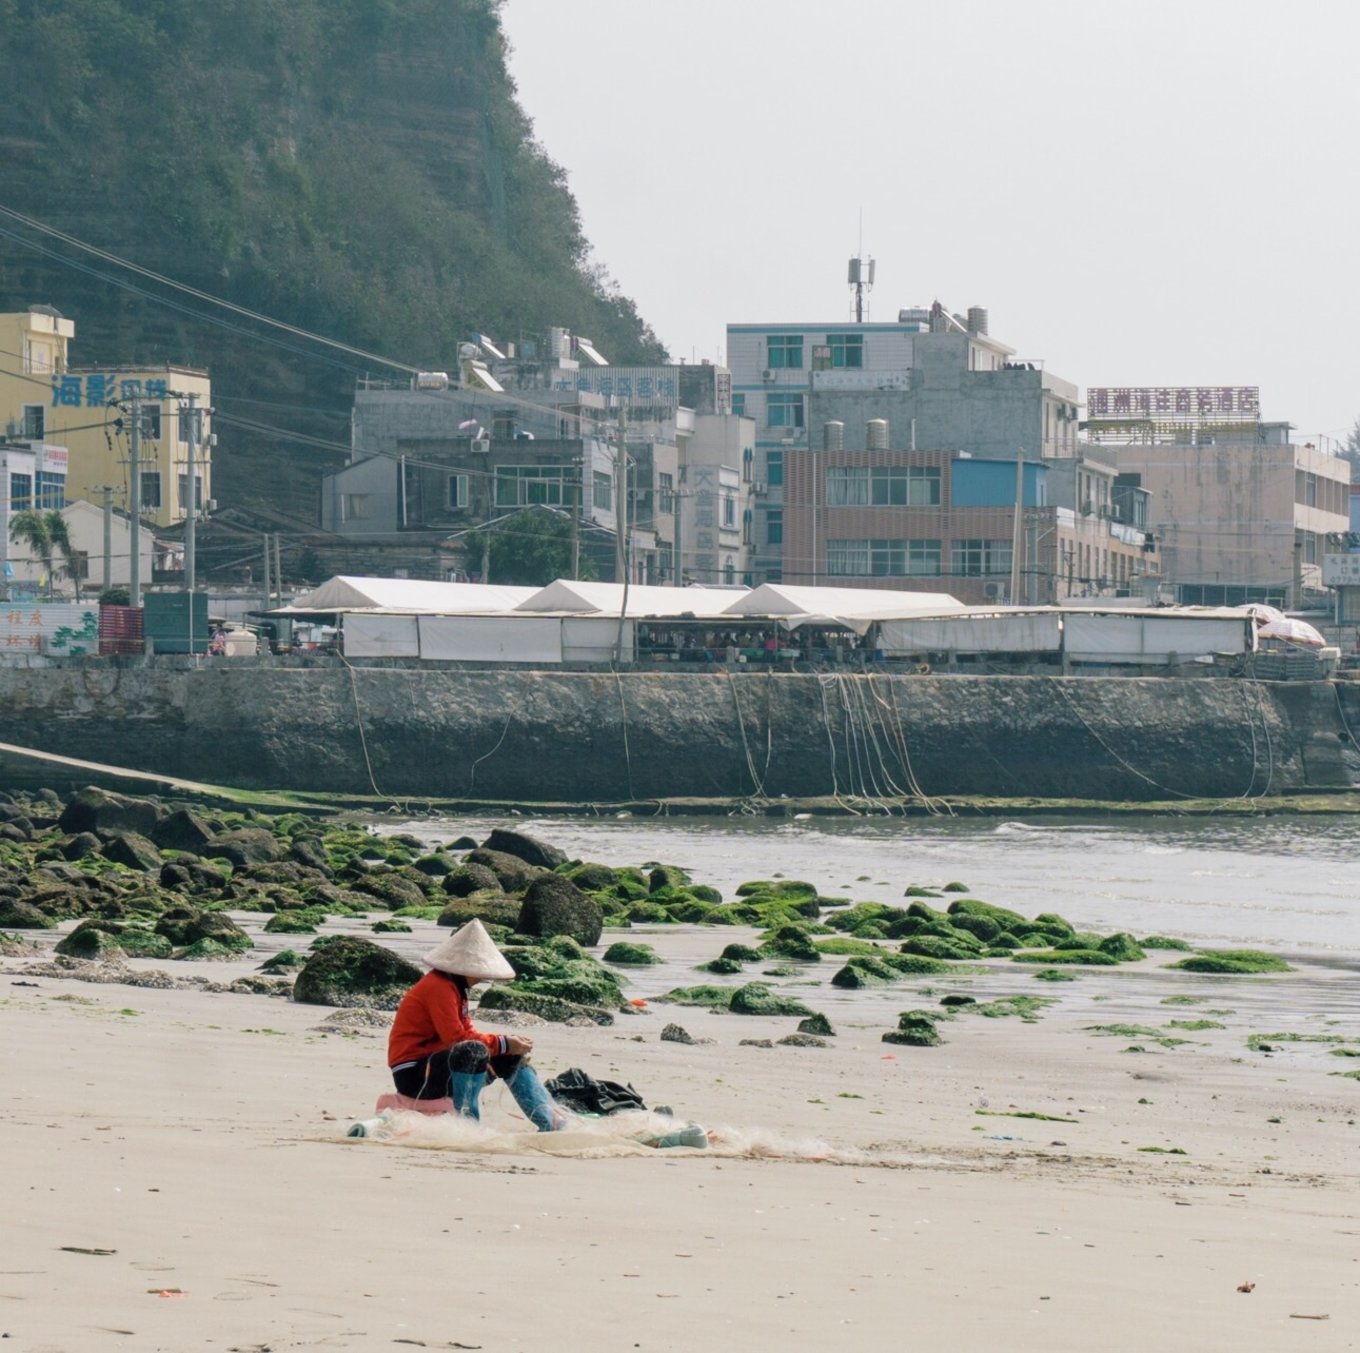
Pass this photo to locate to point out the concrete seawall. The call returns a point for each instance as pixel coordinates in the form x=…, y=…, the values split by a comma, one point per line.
x=595, y=736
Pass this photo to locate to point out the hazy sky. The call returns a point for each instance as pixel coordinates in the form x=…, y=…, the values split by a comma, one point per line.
x=1143, y=193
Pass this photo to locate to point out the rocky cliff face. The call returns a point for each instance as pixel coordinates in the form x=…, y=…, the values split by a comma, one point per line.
x=576, y=737
x=357, y=167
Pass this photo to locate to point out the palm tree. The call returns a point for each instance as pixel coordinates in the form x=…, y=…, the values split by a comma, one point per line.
x=44, y=533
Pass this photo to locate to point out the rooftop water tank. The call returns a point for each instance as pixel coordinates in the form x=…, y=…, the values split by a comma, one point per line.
x=833, y=435
x=977, y=320
x=876, y=434
x=431, y=380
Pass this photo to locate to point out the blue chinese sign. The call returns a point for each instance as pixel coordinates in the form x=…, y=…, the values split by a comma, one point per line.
x=93, y=391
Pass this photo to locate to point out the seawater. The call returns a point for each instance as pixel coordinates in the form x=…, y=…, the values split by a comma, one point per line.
x=1288, y=884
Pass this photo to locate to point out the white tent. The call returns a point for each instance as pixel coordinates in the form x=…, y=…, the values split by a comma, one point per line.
x=855, y=608
x=410, y=595
x=570, y=597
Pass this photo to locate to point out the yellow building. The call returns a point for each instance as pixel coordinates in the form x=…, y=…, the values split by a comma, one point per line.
x=89, y=411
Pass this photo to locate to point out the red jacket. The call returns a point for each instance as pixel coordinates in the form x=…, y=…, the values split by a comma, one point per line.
x=434, y=1015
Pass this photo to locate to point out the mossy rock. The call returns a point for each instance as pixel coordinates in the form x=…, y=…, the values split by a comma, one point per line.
x=984, y=928
x=1050, y=923
x=916, y=890
x=467, y=879
x=1085, y=958
x=915, y=1029
x=437, y=865
x=1122, y=947
x=921, y=911
x=691, y=911
x=17, y=915
x=936, y=947
x=955, y=888
x=755, y=998
x=592, y=878
x=631, y=955
x=701, y=892
x=1054, y=975
x=818, y=1024
x=393, y=890
x=790, y=941
x=720, y=967
x=1164, y=942
x=843, y=945
x=554, y=905
x=513, y=874
x=295, y=921
x=350, y=971
x=794, y=890
x=741, y=953
x=206, y=951
x=718, y=998
x=1004, y=918
x=186, y=926
x=1233, y=961
x=660, y=876
x=95, y=941
x=863, y=971
x=286, y=960
x=492, y=908
x=917, y=965
x=509, y=996
x=649, y=913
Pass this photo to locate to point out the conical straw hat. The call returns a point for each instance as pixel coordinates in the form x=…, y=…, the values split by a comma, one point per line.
x=470, y=952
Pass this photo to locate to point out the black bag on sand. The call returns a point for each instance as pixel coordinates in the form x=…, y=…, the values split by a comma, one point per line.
x=576, y=1090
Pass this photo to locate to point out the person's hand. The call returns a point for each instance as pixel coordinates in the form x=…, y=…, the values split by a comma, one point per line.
x=518, y=1046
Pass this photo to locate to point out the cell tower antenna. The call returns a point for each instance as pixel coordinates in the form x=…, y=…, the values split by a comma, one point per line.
x=860, y=274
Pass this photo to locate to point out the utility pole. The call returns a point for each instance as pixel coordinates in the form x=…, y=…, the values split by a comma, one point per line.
x=135, y=515
x=576, y=494
x=621, y=501
x=1016, y=537
x=278, y=568
x=678, y=571
x=191, y=516
x=107, y=491
x=268, y=589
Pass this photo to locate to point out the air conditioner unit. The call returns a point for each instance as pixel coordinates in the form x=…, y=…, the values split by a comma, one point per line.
x=994, y=591
x=211, y=505
x=482, y=445
x=767, y=375
x=758, y=486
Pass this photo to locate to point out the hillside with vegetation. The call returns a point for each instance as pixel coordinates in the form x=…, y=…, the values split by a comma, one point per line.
x=359, y=168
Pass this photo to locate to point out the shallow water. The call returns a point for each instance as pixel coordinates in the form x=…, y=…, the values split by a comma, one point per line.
x=1286, y=884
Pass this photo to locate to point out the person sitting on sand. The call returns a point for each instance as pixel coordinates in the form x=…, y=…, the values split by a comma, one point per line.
x=434, y=1051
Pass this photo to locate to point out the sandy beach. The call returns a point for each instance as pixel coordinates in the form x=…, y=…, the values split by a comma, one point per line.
x=177, y=1176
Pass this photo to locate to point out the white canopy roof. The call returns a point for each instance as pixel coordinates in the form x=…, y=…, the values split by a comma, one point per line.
x=841, y=603
x=578, y=598
x=408, y=594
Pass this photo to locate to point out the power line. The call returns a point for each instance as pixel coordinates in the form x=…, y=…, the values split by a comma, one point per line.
x=106, y=256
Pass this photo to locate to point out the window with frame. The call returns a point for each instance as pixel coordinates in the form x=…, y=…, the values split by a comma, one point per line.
x=784, y=410
x=975, y=558
x=847, y=350
x=151, y=422
x=50, y=490
x=151, y=489
x=774, y=527
x=186, y=418
x=774, y=468
x=665, y=492
x=35, y=422
x=603, y=490
x=784, y=352
x=184, y=492
x=458, y=492
x=355, y=506
x=729, y=511
x=739, y=403
x=525, y=485
x=882, y=486
x=20, y=492
x=877, y=558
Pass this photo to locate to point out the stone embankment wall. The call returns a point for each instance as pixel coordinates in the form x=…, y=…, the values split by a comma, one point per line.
x=593, y=736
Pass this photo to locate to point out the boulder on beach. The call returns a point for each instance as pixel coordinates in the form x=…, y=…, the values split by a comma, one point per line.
x=467, y=879
x=347, y=970
x=241, y=849
x=512, y=873
x=184, y=831
x=554, y=905
x=98, y=810
x=133, y=851
x=527, y=848
x=186, y=926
